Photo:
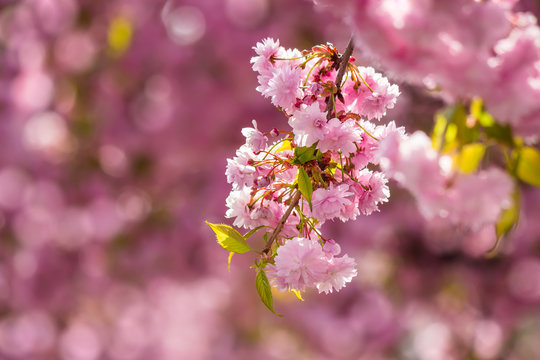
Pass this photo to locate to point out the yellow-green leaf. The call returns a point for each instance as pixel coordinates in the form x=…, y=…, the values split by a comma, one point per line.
x=528, y=166
x=229, y=261
x=304, y=185
x=477, y=107
x=470, y=156
x=264, y=290
x=285, y=145
x=304, y=154
x=119, y=36
x=298, y=294
x=438, y=130
x=509, y=217
x=229, y=238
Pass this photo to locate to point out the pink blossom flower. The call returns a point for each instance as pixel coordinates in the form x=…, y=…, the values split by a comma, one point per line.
x=331, y=248
x=284, y=86
x=239, y=172
x=237, y=203
x=340, y=136
x=371, y=190
x=309, y=124
x=330, y=203
x=492, y=193
x=299, y=263
x=372, y=101
x=255, y=139
x=302, y=262
x=265, y=50
x=339, y=272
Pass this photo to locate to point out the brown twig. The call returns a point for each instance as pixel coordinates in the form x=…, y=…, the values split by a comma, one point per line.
x=281, y=223
x=343, y=62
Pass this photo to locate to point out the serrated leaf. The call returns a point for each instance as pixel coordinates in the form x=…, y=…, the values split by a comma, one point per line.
x=298, y=294
x=264, y=290
x=305, y=186
x=528, y=166
x=470, y=156
x=509, y=217
x=304, y=154
x=229, y=261
x=229, y=238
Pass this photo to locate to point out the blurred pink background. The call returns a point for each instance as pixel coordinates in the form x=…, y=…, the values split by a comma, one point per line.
x=116, y=119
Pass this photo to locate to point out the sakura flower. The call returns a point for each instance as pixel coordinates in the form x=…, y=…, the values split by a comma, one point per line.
x=309, y=124
x=255, y=139
x=330, y=203
x=284, y=86
x=239, y=171
x=340, y=136
x=339, y=272
x=265, y=51
x=299, y=263
x=237, y=202
x=371, y=190
x=331, y=248
x=373, y=97
x=492, y=191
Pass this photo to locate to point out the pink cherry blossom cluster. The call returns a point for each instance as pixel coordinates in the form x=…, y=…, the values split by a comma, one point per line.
x=316, y=172
x=473, y=201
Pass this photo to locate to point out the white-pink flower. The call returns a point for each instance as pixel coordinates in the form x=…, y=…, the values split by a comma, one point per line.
x=371, y=190
x=255, y=139
x=302, y=263
x=330, y=203
x=339, y=272
x=309, y=124
x=492, y=193
x=299, y=263
x=340, y=136
x=372, y=101
x=284, y=86
x=265, y=50
x=237, y=202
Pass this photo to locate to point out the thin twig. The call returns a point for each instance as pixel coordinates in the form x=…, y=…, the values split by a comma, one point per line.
x=343, y=62
x=281, y=223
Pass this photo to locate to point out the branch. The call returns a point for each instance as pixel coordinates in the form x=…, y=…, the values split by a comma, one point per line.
x=343, y=62
x=281, y=223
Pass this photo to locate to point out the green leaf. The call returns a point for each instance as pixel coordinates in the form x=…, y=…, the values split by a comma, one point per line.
x=264, y=290
x=509, y=217
x=528, y=166
x=304, y=185
x=304, y=154
x=229, y=238
x=470, y=156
